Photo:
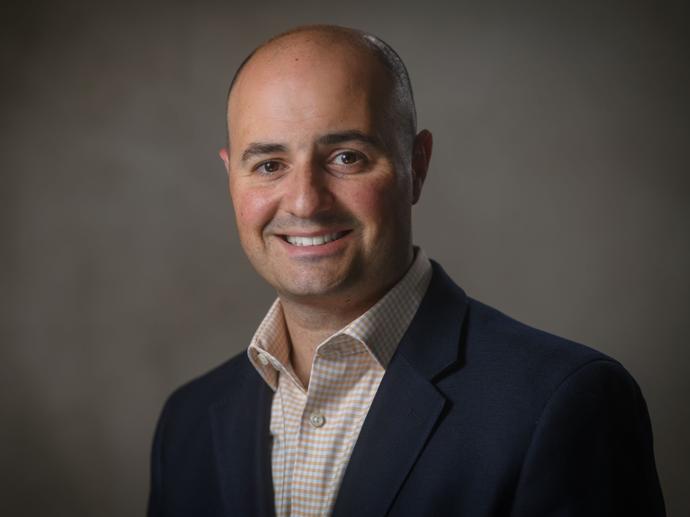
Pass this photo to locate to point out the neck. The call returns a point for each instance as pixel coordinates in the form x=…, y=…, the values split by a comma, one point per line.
x=310, y=322
x=309, y=325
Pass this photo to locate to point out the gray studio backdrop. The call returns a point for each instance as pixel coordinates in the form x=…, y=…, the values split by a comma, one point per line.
x=558, y=192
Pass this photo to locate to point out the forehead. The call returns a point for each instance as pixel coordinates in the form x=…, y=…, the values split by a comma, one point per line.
x=308, y=86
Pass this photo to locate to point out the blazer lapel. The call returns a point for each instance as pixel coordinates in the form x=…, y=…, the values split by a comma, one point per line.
x=407, y=404
x=241, y=434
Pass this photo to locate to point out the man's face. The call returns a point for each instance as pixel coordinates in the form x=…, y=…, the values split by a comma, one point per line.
x=321, y=201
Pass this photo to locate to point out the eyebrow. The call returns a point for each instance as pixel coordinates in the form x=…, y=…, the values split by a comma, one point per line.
x=257, y=149
x=350, y=136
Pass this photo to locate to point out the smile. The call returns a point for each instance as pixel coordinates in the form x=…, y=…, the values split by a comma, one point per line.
x=317, y=240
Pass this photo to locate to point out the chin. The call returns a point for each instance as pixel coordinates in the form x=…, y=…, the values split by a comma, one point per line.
x=310, y=285
x=305, y=290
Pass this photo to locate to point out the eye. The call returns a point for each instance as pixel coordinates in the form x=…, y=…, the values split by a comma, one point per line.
x=268, y=167
x=347, y=158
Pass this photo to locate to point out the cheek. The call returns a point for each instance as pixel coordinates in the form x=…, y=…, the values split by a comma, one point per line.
x=378, y=205
x=253, y=209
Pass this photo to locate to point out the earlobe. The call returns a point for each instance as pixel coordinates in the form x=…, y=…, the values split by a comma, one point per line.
x=421, y=156
x=223, y=153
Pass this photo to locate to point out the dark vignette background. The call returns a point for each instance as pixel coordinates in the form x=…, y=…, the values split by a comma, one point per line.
x=558, y=193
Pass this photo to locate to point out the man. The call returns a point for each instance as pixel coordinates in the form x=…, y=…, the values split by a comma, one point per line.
x=374, y=385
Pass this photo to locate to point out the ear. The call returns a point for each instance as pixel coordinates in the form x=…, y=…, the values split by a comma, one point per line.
x=223, y=153
x=421, y=156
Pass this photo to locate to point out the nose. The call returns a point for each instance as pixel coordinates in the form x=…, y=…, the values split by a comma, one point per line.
x=307, y=191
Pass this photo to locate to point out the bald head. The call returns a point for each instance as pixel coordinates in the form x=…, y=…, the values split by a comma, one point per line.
x=375, y=59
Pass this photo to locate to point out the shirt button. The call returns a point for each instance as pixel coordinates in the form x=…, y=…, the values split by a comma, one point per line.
x=317, y=419
x=263, y=359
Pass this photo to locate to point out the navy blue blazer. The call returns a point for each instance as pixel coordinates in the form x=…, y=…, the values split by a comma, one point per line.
x=477, y=415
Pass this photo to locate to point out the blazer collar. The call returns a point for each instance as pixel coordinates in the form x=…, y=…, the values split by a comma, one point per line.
x=431, y=342
x=407, y=404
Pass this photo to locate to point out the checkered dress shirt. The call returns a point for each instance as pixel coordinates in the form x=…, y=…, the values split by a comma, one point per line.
x=315, y=430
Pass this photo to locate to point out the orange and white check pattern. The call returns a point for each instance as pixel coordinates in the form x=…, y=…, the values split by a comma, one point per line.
x=315, y=430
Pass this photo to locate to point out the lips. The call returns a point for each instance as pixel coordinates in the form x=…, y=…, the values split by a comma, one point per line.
x=316, y=240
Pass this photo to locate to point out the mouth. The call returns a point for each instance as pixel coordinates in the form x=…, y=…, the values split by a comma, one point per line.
x=314, y=240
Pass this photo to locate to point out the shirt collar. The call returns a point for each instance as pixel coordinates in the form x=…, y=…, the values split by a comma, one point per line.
x=378, y=330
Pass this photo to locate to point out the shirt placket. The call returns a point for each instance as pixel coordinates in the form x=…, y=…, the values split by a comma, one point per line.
x=316, y=463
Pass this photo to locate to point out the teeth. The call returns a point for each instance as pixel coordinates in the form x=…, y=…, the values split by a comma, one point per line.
x=313, y=241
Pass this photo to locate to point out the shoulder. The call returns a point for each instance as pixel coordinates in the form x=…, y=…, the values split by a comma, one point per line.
x=513, y=383
x=490, y=332
x=526, y=367
x=196, y=396
x=495, y=355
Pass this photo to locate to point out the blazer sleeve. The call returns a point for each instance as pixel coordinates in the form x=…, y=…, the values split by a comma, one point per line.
x=591, y=453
